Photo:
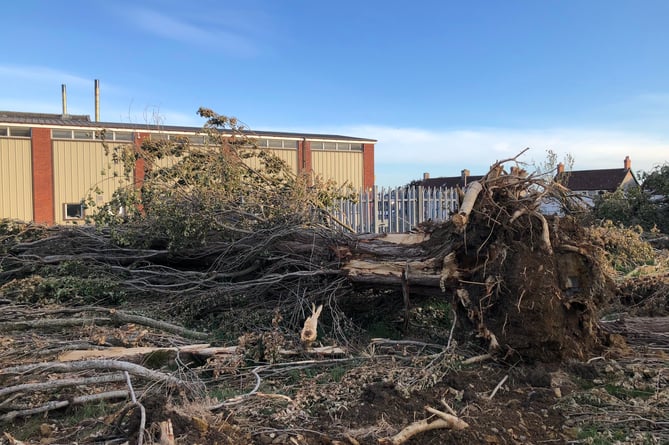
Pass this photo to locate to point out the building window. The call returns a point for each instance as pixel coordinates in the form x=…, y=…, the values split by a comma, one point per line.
x=73, y=211
x=336, y=146
x=84, y=134
x=196, y=139
x=19, y=132
x=160, y=137
x=276, y=143
x=123, y=136
x=61, y=134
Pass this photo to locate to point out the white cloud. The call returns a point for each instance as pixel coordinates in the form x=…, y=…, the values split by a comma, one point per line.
x=40, y=74
x=168, y=27
x=404, y=154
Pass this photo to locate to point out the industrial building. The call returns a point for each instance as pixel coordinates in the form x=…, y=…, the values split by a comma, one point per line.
x=49, y=163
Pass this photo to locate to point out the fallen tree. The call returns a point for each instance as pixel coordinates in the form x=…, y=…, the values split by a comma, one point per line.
x=529, y=284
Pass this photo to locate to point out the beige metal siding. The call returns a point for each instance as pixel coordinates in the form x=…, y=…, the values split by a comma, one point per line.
x=341, y=166
x=289, y=156
x=286, y=155
x=16, y=197
x=79, y=168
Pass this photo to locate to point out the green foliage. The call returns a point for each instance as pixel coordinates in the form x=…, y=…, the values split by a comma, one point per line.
x=192, y=195
x=647, y=206
x=337, y=373
x=75, y=282
x=13, y=232
x=591, y=434
x=624, y=393
x=657, y=181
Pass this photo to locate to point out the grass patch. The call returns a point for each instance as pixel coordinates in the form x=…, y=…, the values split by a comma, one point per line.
x=627, y=393
x=591, y=435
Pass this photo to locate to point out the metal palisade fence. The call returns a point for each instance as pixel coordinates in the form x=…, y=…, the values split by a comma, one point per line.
x=396, y=210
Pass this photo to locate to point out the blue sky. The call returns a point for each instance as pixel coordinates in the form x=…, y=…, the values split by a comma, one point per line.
x=442, y=85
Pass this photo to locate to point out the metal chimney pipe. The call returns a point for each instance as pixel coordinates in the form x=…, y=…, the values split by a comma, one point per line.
x=97, y=100
x=64, y=100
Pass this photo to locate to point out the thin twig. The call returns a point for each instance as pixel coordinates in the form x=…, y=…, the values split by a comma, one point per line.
x=499, y=385
x=450, y=335
x=241, y=398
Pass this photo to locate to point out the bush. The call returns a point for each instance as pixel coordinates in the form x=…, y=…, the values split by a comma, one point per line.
x=646, y=206
x=624, y=246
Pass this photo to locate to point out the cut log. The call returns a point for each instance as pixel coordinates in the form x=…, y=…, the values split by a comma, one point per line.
x=426, y=272
x=461, y=218
x=310, y=328
x=202, y=350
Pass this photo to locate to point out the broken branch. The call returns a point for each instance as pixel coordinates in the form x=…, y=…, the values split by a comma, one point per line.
x=444, y=421
x=104, y=365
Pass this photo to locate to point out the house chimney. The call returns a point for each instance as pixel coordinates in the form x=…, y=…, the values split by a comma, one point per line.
x=426, y=175
x=97, y=100
x=628, y=163
x=63, y=89
x=464, y=174
x=560, y=168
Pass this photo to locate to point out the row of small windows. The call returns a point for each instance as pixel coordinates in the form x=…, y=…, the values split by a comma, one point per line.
x=338, y=146
x=193, y=139
x=128, y=136
x=122, y=136
x=276, y=143
x=15, y=132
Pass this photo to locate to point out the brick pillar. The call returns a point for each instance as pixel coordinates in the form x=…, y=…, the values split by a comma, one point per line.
x=304, y=166
x=139, y=162
x=42, y=175
x=140, y=165
x=368, y=166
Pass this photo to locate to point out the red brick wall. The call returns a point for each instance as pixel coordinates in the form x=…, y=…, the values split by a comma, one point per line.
x=304, y=166
x=42, y=172
x=139, y=163
x=368, y=166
